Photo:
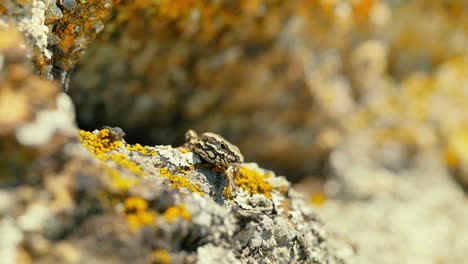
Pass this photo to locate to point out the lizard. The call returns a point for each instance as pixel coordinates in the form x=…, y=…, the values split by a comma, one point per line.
x=216, y=150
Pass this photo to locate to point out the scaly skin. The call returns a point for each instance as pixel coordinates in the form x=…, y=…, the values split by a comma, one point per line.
x=216, y=150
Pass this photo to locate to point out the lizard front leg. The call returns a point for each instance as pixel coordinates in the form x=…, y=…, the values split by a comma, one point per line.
x=230, y=190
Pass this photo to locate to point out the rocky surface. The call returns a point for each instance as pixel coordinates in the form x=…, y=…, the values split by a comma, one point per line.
x=73, y=196
x=413, y=214
x=157, y=204
x=56, y=32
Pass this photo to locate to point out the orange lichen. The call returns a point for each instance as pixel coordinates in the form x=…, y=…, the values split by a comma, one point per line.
x=174, y=212
x=253, y=181
x=77, y=28
x=362, y=9
x=2, y=9
x=143, y=150
x=160, y=256
x=138, y=214
x=175, y=8
x=178, y=181
x=451, y=159
x=99, y=143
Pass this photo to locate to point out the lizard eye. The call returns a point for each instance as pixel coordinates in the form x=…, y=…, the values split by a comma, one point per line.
x=223, y=146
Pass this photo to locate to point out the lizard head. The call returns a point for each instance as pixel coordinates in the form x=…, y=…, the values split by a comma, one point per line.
x=213, y=148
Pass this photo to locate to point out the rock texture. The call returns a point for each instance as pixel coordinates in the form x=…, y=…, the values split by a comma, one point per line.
x=56, y=32
x=413, y=214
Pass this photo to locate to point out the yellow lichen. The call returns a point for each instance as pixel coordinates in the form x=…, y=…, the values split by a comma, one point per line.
x=123, y=161
x=457, y=148
x=178, y=181
x=227, y=192
x=318, y=199
x=99, y=143
x=253, y=181
x=136, y=203
x=144, y=150
x=184, y=150
x=118, y=181
x=182, y=170
x=160, y=256
x=174, y=212
x=138, y=214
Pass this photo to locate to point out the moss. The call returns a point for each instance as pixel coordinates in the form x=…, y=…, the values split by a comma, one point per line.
x=174, y=212
x=178, y=181
x=253, y=181
x=143, y=150
x=160, y=256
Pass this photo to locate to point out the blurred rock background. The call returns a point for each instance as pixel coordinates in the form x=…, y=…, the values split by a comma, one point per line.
x=287, y=81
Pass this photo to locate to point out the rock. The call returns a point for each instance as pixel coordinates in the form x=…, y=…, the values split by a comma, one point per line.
x=74, y=196
x=357, y=91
